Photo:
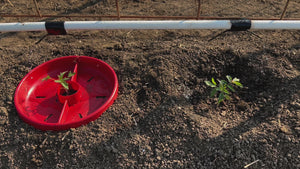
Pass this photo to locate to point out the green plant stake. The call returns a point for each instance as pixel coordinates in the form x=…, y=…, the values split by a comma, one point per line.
x=223, y=88
x=61, y=79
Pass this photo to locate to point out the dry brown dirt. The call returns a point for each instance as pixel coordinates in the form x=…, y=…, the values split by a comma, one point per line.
x=163, y=116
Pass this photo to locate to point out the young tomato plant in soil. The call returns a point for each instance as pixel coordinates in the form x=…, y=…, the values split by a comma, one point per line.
x=224, y=88
x=62, y=80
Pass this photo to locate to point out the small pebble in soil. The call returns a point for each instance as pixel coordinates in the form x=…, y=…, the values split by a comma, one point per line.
x=286, y=129
x=9, y=98
x=296, y=104
x=298, y=114
x=297, y=129
x=3, y=115
x=242, y=105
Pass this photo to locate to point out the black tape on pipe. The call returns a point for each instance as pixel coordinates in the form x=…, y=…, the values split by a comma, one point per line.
x=240, y=25
x=56, y=28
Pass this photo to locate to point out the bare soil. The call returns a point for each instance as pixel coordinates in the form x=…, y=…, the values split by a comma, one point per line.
x=163, y=116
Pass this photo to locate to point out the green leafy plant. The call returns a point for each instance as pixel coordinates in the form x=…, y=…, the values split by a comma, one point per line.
x=224, y=88
x=62, y=79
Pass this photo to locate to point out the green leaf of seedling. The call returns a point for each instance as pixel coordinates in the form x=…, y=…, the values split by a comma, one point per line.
x=208, y=83
x=58, y=81
x=227, y=97
x=213, y=92
x=61, y=75
x=229, y=78
x=65, y=85
x=222, y=82
x=213, y=81
x=46, y=78
x=235, y=80
x=221, y=98
x=226, y=91
x=71, y=74
x=239, y=84
x=231, y=88
x=222, y=85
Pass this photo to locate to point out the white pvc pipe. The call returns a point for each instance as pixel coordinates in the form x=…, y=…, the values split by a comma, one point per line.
x=275, y=24
x=168, y=24
x=186, y=24
x=26, y=26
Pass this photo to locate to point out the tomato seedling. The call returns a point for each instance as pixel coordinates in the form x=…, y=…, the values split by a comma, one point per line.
x=224, y=87
x=61, y=79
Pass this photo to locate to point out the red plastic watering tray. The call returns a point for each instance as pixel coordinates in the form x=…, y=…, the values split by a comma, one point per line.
x=40, y=105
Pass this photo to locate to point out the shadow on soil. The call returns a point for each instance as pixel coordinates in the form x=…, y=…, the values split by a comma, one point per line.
x=227, y=150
